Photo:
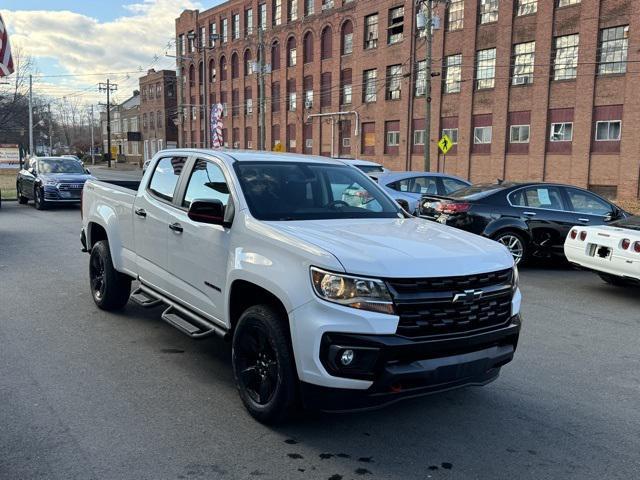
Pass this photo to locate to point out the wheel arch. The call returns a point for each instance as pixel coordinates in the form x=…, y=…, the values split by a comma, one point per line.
x=499, y=227
x=244, y=294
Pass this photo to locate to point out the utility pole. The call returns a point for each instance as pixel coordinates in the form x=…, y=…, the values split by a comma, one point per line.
x=93, y=155
x=427, y=96
x=31, y=151
x=50, y=131
x=108, y=87
x=261, y=102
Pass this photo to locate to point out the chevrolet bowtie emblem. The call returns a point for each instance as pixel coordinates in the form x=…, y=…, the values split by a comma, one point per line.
x=468, y=296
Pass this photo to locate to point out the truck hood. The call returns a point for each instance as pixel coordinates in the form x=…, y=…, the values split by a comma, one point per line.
x=396, y=248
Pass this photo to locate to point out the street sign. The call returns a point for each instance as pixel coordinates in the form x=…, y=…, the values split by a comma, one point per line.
x=445, y=144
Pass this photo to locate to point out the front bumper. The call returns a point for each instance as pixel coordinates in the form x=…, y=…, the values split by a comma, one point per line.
x=404, y=368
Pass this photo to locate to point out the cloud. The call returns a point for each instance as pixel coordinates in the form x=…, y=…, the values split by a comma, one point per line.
x=80, y=44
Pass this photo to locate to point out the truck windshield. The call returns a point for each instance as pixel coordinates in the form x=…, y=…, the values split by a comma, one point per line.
x=311, y=191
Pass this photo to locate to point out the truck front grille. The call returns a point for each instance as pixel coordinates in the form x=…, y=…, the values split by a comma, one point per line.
x=452, y=305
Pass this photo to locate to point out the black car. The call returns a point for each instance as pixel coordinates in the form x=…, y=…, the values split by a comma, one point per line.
x=531, y=219
x=51, y=180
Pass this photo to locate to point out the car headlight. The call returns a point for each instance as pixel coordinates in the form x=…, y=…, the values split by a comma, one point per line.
x=355, y=292
x=49, y=182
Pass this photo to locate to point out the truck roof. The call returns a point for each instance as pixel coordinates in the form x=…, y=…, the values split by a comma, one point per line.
x=259, y=156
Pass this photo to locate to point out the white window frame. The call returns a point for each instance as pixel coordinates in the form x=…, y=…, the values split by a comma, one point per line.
x=293, y=100
x=486, y=69
x=524, y=57
x=483, y=140
x=346, y=142
x=392, y=138
x=619, y=122
x=551, y=132
x=526, y=7
x=488, y=11
x=563, y=62
x=453, y=73
x=449, y=133
x=519, y=127
x=419, y=137
x=455, y=15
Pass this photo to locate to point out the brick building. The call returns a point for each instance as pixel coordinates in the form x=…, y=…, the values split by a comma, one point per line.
x=158, y=111
x=125, y=131
x=539, y=90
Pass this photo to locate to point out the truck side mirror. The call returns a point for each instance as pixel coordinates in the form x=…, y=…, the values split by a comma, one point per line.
x=207, y=211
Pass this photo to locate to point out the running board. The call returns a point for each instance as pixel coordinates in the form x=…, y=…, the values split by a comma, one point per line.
x=188, y=322
x=145, y=299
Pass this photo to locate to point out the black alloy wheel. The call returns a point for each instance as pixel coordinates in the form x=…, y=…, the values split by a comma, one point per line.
x=97, y=277
x=38, y=198
x=110, y=289
x=21, y=198
x=263, y=365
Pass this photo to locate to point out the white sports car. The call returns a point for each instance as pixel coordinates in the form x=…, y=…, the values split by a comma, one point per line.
x=612, y=251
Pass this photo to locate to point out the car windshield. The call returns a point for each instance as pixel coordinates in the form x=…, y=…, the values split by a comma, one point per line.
x=632, y=223
x=59, y=165
x=475, y=192
x=311, y=191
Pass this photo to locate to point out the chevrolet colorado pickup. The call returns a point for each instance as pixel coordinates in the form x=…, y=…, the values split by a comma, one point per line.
x=331, y=301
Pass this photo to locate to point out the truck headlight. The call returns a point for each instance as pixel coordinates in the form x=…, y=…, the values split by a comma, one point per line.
x=355, y=292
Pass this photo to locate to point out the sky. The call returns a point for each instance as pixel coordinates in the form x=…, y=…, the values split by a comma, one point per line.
x=75, y=43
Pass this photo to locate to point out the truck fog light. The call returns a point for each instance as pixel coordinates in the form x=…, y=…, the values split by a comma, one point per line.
x=347, y=357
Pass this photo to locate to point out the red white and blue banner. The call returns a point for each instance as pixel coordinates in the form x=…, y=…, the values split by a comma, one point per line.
x=6, y=60
x=216, y=126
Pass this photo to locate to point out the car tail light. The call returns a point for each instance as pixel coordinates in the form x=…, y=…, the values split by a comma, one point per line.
x=583, y=236
x=636, y=247
x=453, y=207
x=573, y=234
x=625, y=244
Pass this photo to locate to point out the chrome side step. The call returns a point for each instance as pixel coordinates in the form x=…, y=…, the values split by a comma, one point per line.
x=145, y=299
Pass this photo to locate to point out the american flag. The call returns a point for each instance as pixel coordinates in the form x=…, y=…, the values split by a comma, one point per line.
x=216, y=125
x=6, y=61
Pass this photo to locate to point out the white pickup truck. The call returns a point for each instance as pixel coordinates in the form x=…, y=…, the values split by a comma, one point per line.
x=333, y=297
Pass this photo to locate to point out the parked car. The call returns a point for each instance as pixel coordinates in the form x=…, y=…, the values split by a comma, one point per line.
x=530, y=219
x=333, y=305
x=411, y=186
x=612, y=251
x=50, y=180
x=368, y=167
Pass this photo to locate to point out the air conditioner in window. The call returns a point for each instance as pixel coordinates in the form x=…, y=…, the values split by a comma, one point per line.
x=236, y=144
x=249, y=144
x=346, y=142
x=520, y=80
x=308, y=143
x=308, y=104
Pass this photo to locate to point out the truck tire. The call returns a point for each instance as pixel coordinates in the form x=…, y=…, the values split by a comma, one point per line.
x=110, y=289
x=263, y=365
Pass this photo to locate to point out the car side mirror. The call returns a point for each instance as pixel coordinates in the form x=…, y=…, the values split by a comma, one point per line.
x=403, y=203
x=207, y=211
x=32, y=171
x=87, y=171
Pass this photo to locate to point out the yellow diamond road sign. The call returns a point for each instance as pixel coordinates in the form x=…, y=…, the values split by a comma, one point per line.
x=445, y=144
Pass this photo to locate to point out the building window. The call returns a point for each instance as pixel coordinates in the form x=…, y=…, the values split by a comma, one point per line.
x=455, y=15
x=292, y=55
x=523, y=63
x=485, y=68
x=293, y=98
x=191, y=42
x=235, y=29
x=346, y=87
x=277, y=12
x=561, y=132
x=421, y=78
x=608, y=131
x=275, y=97
x=369, y=138
x=248, y=22
x=213, y=32
x=371, y=31
x=235, y=66
x=453, y=73
x=614, y=44
x=488, y=11
x=326, y=43
x=275, y=56
x=248, y=70
x=369, y=82
x=418, y=137
x=391, y=137
x=325, y=89
x=327, y=4
x=307, y=48
x=225, y=30
x=262, y=16
x=452, y=133
x=292, y=10
x=526, y=7
x=482, y=135
x=394, y=82
x=347, y=38
x=308, y=7
x=235, y=103
x=519, y=133
x=248, y=101
x=308, y=92
x=565, y=57
x=395, y=31
x=566, y=3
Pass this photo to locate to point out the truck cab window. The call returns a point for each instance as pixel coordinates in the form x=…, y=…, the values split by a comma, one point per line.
x=165, y=177
x=207, y=182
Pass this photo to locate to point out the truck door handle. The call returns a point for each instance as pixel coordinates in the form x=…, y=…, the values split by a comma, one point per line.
x=176, y=227
x=529, y=214
x=583, y=220
x=140, y=212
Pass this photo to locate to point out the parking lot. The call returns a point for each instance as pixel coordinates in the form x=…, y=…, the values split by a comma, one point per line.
x=89, y=394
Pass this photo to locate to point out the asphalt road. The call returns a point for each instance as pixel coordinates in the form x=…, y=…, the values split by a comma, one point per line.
x=86, y=394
